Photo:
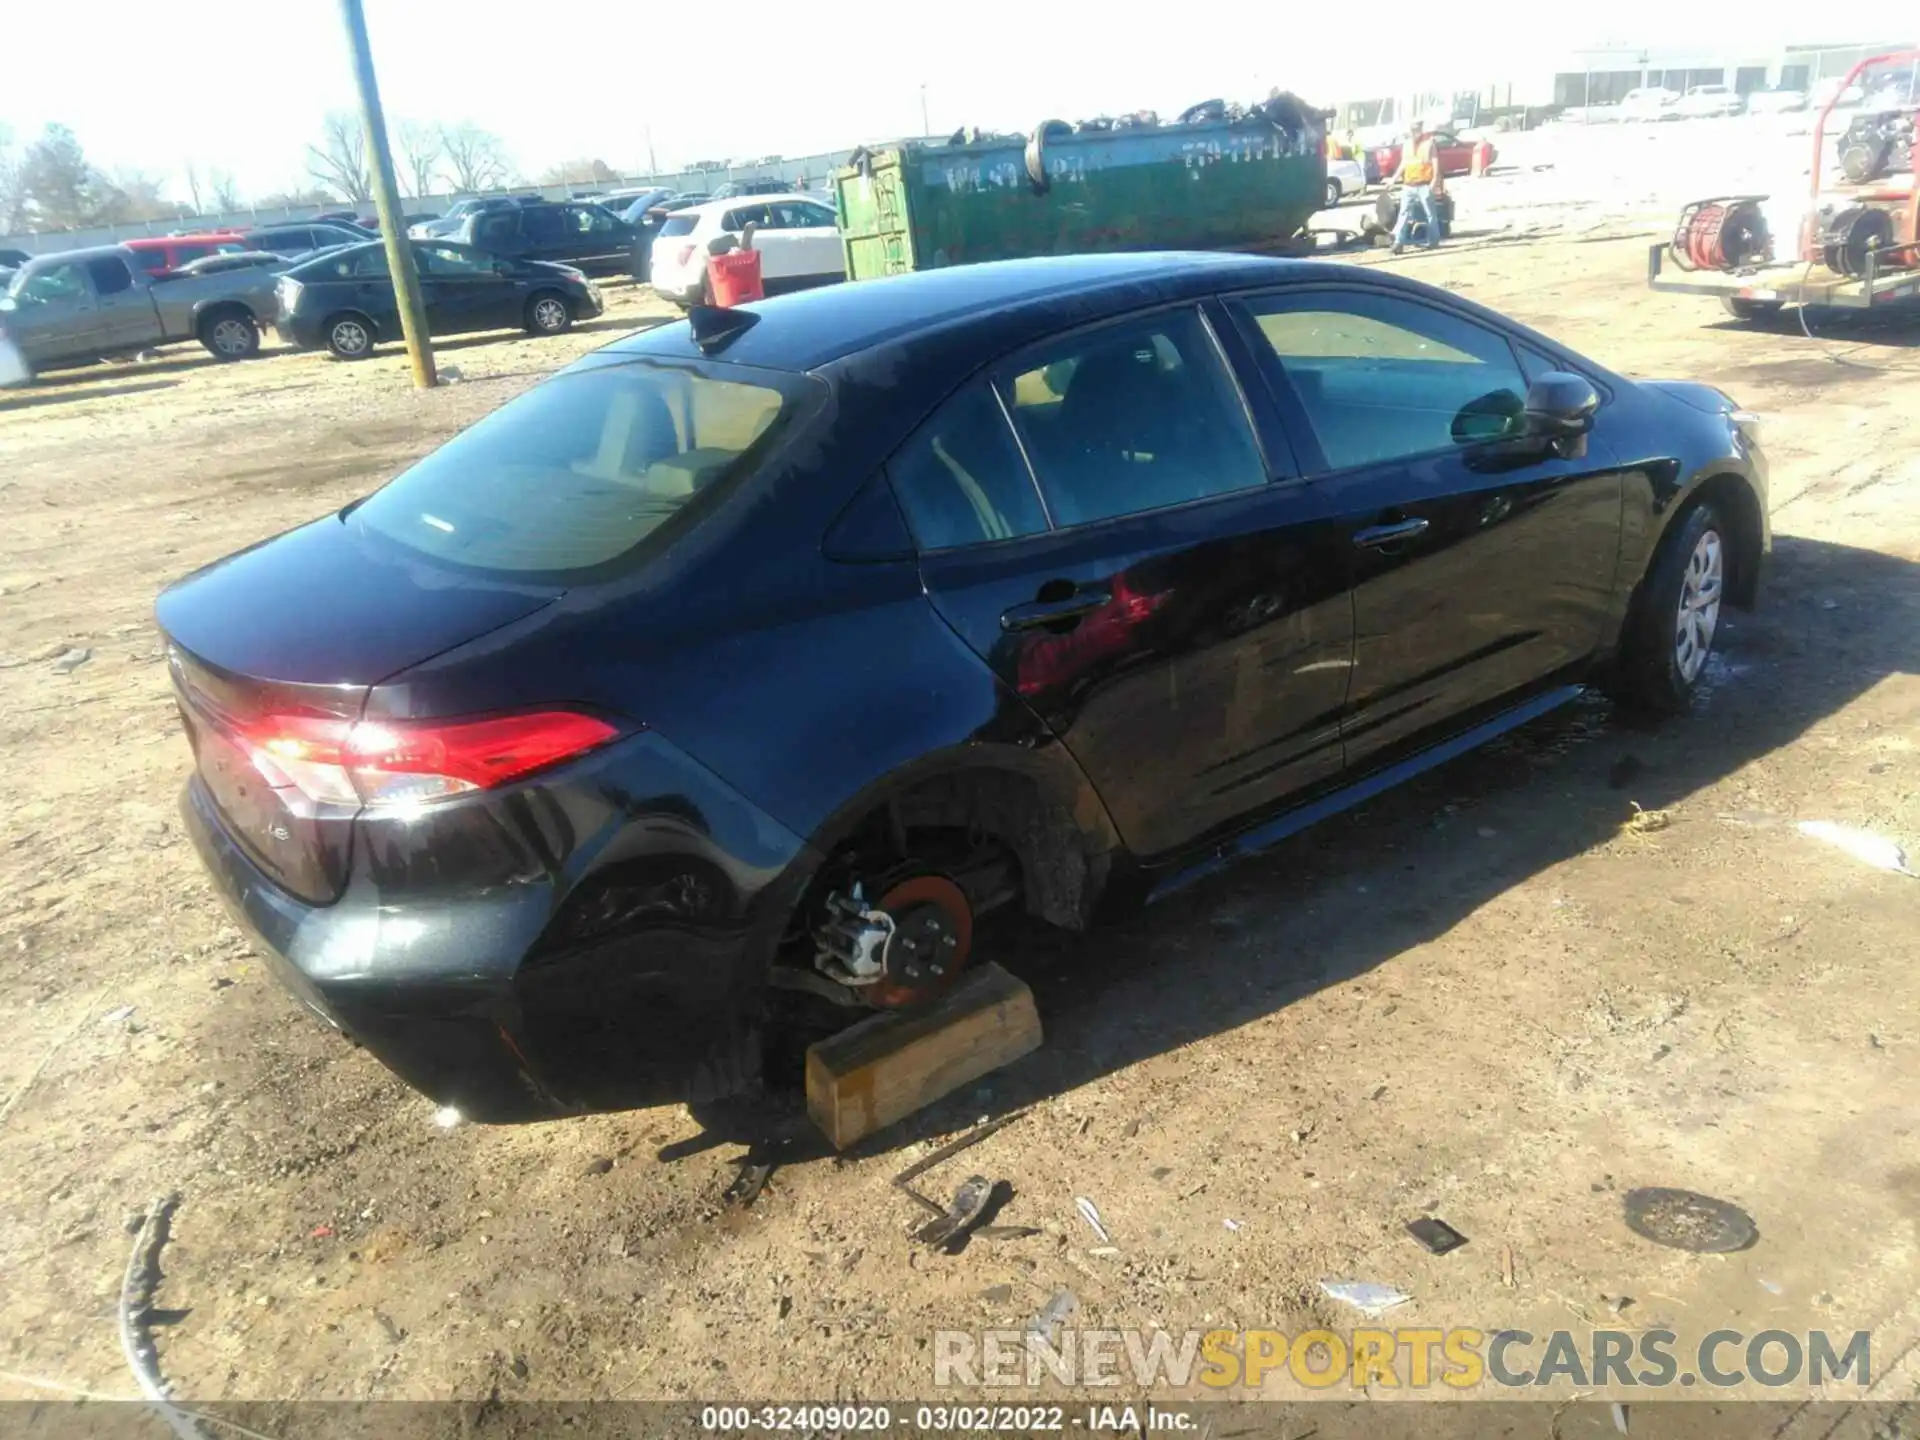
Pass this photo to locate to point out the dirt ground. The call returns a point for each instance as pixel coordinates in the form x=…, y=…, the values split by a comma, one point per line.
x=1480, y=998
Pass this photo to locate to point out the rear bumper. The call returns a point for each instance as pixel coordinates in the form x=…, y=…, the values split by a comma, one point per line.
x=630, y=973
x=679, y=289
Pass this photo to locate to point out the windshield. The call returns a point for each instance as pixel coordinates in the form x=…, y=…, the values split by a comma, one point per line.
x=578, y=473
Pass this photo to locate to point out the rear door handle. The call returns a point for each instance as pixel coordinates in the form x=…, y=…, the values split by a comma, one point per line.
x=1035, y=614
x=1374, y=536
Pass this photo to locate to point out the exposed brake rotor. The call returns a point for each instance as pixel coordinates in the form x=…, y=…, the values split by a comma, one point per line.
x=905, y=947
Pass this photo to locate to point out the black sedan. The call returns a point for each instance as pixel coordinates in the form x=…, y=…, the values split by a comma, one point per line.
x=749, y=661
x=343, y=299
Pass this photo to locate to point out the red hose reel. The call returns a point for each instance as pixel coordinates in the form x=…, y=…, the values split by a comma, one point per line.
x=1724, y=233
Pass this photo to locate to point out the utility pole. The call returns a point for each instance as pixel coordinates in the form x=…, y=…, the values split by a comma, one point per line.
x=926, y=126
x=386, y=200
x=653, y=165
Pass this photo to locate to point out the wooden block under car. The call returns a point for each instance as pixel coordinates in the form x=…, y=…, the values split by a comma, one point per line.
x=887, y=1067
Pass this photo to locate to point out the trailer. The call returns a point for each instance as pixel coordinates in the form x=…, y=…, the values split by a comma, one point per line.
x=1853, y=248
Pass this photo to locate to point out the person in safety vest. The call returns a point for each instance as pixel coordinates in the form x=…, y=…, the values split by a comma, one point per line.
x=1420, y=185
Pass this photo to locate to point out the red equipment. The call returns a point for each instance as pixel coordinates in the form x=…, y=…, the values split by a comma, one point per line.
x=734, y=278
x=1815, y=240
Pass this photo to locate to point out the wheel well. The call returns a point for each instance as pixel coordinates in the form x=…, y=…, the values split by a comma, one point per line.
x=1733, y=497
x=349, y=314
x=1058, y=868
x=220, y=309
x=555, y=292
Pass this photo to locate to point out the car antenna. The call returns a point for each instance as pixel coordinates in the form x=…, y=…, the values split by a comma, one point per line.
x=715, y=328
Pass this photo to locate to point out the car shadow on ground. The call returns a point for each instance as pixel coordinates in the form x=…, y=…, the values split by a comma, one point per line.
x=1357, y=891
x=37, y=399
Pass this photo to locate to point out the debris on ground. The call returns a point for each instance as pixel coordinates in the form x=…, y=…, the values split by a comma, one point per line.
x=1506, y=1266
x=1090, y=1213
x=903, y=1182
x=1875, y=850
x=1619, y=1416
x=756, y=1168
x=963, y=1212
x=117, y=1014
x=1055, y=1313
x=137, y=1288
x=1685, y=1220
x=1645, y=822
x=1233, y=1225
x=1436, y=1235
x=1365, y=1296
x=72, y=660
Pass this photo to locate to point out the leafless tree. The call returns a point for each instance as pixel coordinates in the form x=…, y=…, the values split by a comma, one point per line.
x=190, y=172
x=339, y=161
x=421, y=149
x=225, y=194
x=580, y=172
x=13, y=194
x=475, y=158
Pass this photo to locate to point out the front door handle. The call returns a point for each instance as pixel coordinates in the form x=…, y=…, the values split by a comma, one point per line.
x=1038, y=614
x=1376, y=536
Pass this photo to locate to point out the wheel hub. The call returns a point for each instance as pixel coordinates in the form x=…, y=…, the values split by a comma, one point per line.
x=908, y=945
x=1699, y=610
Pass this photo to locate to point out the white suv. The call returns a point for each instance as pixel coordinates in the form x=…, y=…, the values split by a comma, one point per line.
x=1703, y=101
x=798, y=239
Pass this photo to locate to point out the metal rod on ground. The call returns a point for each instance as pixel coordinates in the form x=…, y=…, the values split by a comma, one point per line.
x=386, y=200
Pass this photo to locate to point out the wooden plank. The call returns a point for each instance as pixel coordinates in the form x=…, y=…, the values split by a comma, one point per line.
x=889, y=1066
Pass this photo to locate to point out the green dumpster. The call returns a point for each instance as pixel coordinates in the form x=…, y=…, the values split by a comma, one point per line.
x=1243, y=182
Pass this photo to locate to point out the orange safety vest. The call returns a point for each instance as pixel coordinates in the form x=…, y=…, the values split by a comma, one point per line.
x=1420, y=164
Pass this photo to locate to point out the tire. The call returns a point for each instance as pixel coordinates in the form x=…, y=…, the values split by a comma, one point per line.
x=548, y=314
x=229, y=334
x=1333, y=192
x=350, y=336
x=1743, y=309
x=1666, y=648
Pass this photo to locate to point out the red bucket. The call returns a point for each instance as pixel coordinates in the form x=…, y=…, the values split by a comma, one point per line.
x=734, y=278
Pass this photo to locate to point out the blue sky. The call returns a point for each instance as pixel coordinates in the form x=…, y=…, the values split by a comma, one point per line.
x=153, y=87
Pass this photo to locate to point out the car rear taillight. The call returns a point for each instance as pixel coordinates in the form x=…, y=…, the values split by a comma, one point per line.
x=409, y=762
x=686, y=254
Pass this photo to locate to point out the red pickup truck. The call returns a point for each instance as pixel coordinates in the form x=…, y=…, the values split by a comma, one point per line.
x=157, y=254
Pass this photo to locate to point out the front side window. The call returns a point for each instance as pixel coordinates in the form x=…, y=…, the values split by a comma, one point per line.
x=961, y=479
x=679, y=224
x=541, y=226
x=581, y=472
x=55, y=285
x=450, y=260
x=368, y=264
x=1383, y=379
x=1133, y=417
x=738, y=219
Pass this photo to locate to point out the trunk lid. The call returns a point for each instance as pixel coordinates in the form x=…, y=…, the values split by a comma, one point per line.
x=305, y=625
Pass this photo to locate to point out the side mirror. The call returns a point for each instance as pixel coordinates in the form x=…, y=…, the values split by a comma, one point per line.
x=1560, y=410
x=1561, y=404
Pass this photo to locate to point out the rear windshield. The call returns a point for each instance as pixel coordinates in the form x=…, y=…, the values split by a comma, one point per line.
x=579, y=474
x=679, y=224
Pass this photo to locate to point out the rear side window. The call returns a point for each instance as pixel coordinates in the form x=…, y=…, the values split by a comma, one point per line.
x=1133, y=417
x=1384, y=379
x=109, y=275
x=578, y=474
x=679, y=224
x=961, y=479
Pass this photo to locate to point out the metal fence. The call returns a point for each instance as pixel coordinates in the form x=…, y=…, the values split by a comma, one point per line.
x=805, y=172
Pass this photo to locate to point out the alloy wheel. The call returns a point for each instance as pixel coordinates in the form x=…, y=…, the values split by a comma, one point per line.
x=550, y=315
x=232, y=337
x=350, y=337
x=1699, y=610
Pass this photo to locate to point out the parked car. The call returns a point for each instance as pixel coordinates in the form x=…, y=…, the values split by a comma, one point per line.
x=84, y=304
x=582, y=235
x=1649, y=102
x=1455, y=156
x=14, y=258
x=159, y=253
x=457, y=213
x=14, y=370
x=1709, y=101
x=635, y=207
x=798, y=239
x=769, y=185
x=343, y=300
x=301, y=238
x=339, y=217
x=1344, y=178
x=1783, y=101
x=750, y=661
x=228, y=261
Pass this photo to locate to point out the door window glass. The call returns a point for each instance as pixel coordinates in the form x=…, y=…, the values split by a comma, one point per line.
x=367, y=264
x=451, y=260
x=961, y=479
x=56, y=285
x=1382, y=379
x=794, y=215
x=1133, y=417
x=495, y=229
x=110, y=275
x=591, y=220
x=541, y=225
x=745, y=215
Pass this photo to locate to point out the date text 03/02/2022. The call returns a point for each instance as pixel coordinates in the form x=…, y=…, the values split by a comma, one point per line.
x=945, y=1419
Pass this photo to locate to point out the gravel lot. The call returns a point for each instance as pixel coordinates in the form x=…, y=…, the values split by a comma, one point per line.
x=1485, y=997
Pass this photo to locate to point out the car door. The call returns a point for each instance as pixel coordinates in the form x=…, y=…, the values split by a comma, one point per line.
x=1483, y=561
x=53, y=314
x=1098, y=521
x=124, y=310
x=464, y=289
x=595, y=239
x=543, y=234
x=815, y=237
x=776, y=255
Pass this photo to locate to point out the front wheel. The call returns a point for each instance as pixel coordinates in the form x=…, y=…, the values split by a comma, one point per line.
x=1745, y=310
x=350, y=337
x=1670, y=638
x=548, y=315
x=1333, y=192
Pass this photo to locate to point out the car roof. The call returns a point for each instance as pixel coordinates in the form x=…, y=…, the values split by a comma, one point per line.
x=87, y=252
x=1005, y=304
x=734, y=202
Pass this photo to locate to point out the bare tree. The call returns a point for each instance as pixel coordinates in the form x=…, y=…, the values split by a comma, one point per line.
x=475, y=158
x=421, y=149
x=13, y=191
x=225, y=194
x=339, y=161
x=190, y=172
x=132, y=196
x=580, y=172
